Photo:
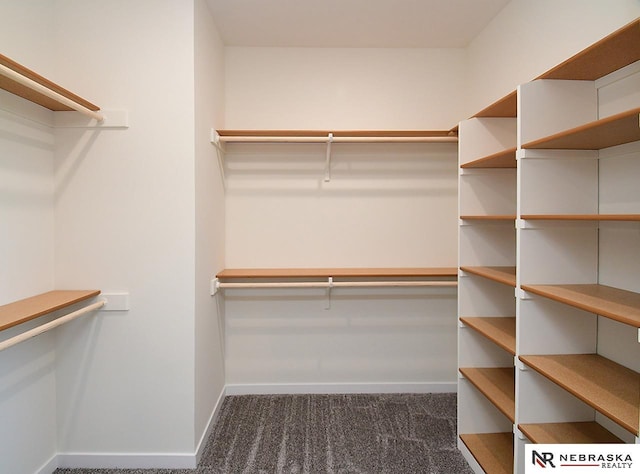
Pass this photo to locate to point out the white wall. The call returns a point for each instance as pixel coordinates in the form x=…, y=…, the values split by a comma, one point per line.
x=385, y=206
x=27, y=371
x=342, y=88
x=209, y=208
x=528, y=38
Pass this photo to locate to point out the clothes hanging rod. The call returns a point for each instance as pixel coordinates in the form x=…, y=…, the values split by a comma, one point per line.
x=335, y=139
x=31, y=84
x=50, y=325
x=339, y=284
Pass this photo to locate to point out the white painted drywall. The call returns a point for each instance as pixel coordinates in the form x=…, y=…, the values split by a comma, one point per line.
x=209, y=218
x=528, y=38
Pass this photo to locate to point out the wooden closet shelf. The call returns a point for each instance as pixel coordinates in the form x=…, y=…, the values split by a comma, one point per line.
x=620, y=305
x=501, y=331
x=27, y=309
x=582, y=217
x=506, y=107
x=506, y=217
x=236, y=273
x=493, y=451
x=582, y=432
x=501, y=159
x=337, y=133
x=606, y=386
x=18, y=89
x=504, y=275
x=497, y=384
x=613, y=52
x=607, y=132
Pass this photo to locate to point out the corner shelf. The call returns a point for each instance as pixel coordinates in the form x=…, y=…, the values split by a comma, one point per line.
x=501, y=159
x=18, y=89
x=497, y=384
x=606, y=386
x=585, y=432
x=619, y=305
x=500, y=331
x=24, y=310
x=504, y=275
x=493, y=451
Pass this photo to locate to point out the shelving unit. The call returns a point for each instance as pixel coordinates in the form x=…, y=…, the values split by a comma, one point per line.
x=568, y=246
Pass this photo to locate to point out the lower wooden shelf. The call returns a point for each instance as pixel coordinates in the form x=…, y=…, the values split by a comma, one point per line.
x=608, y=387
x=584, y=432
x=493, y=451
x=501, y=331
x=497, y=384
x=504, y=275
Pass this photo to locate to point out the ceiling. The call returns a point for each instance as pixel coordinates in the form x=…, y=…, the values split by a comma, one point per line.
x=353, y=23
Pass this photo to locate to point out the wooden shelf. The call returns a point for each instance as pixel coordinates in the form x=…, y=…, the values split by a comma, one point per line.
x=14, y=87
x=506, y=107
x=493, y=451
x=504, y=275
x=497, y=384
x=606, y=386
x=27, y=309
x=584, y=432
x=501, y=159
x=501, y=331
x=237, y=273
x=620, y=305
x=337, y=133
x=615, y=51
x=510, y=217
x=582, y=217
x=610, y=131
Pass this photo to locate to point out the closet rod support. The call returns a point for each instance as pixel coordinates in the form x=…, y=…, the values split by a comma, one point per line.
x=327, y=165
x=31, y=84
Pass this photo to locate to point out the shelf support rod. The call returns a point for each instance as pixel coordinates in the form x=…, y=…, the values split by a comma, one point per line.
x=50, y=325
x=215, y=141
x=327, y=165
x=31, y=84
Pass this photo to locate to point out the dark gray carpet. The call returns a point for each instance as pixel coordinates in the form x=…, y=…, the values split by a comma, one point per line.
x=403, y=433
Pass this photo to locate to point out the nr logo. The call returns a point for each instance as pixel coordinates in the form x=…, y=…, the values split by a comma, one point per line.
x=542, y=459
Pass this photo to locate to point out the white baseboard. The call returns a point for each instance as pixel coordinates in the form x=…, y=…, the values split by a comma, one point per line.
x=127, y=461
x=340, y=388
x=210, y=424
x=50, y=466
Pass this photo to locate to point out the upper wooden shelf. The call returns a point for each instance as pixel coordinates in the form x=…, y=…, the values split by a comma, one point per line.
x=501, y=159
x=610, y=131
x=506, y=107
x=497, y=384
x=582, y=217
x=583, y=432
x=501, y=331
x=496, y=217
x=237, y=273
x=322, y=136
x=493, y=451
x=505, y=275
x=606, y=386
x=613, y=52
x=27, y=309
x=620, y=305
x=18, y=89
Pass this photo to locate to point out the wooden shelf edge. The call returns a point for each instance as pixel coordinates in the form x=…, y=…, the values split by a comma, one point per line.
x=418, y=272
x=582, y=432
x=606, y=386
x=33, y=96
x=493, y=451
x=504, y=107
x=509, y=217
x=501, y=159
x=497, y=384
x=582, y=217
x=499, y=330
x=24, y=310
x=613, y=303
x=504, y=275
x=337, y=133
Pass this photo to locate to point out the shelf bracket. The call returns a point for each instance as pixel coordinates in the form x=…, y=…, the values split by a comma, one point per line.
x=327, y=165
x=215, y=141
x=329, y=287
